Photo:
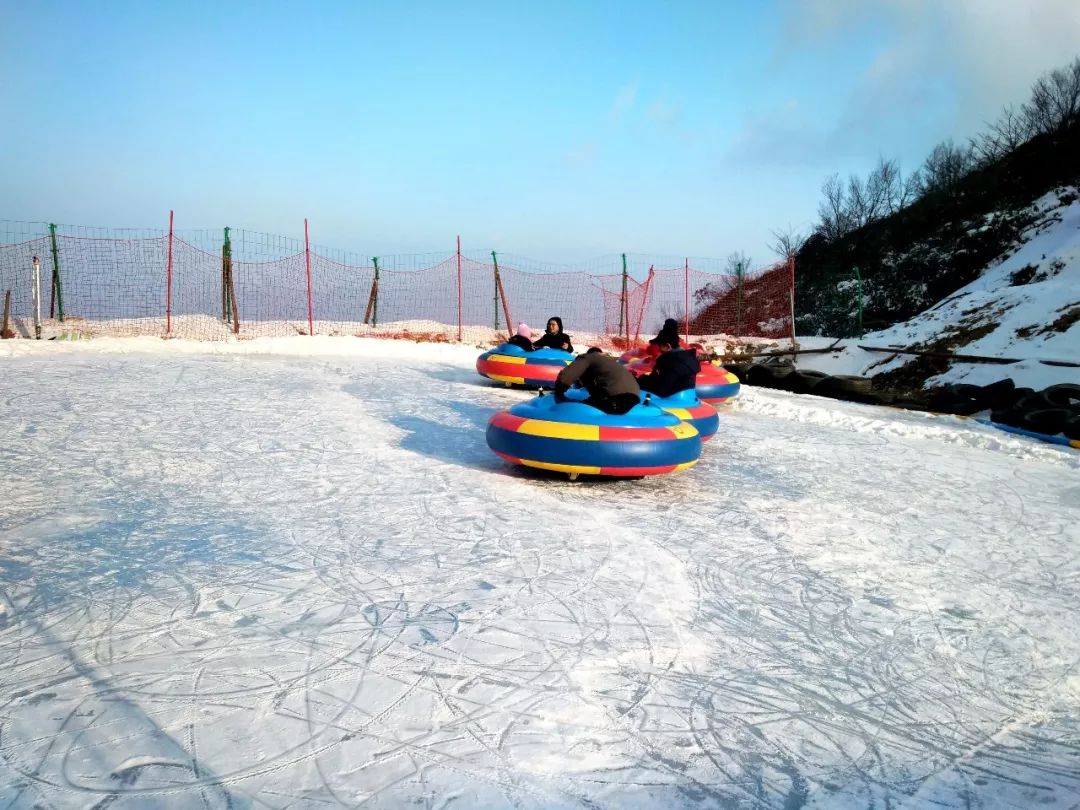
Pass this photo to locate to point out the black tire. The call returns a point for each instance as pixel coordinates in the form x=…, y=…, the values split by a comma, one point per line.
x=1000, y=387
x=1007, y=416
x=909, y=404
x=1033, y=402
x=865, y=399
x=965, y=400
x=1072, y=429
x=946, y=400
x=803, y=382
x=838, y=388
x=1051, y=421
x=1000, y=394
x=841, y=386
x=1014, y=397
x=738, y=369
x=1065, y=395
x=965, y=391
x=766, y=376
x=1015, y=415
x=966, y=407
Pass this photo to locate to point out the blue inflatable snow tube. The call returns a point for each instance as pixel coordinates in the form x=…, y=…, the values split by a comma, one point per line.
x=579, y=439
x=513, y=365
x=688, y=406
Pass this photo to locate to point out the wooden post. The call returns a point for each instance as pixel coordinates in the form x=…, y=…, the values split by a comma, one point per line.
x=35, y=296
x=459, y=289
x=5, y=329
x=168, y=281
x=791, y=268
x=506, y=307
x=231, y=292
x=686, y=298
x=372, y=311
x=623, y=312
x=57, y=296
x=307, y=259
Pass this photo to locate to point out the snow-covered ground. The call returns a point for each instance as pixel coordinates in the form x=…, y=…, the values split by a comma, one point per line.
x=1033, y=321
x=291, y=574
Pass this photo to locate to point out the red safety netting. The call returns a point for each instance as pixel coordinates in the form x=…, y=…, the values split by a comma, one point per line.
x=189, y=285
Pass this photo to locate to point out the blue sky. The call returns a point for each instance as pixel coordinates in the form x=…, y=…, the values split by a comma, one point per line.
x=558, y=130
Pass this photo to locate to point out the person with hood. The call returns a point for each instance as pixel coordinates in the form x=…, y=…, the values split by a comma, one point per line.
x=669, y=334
x=554, y=337
x=675, y=369
x=523, y=338
x=612, y=389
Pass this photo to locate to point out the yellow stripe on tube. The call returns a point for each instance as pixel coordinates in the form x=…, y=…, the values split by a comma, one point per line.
x=563, y=468
x=683, y=430
x=560, y=430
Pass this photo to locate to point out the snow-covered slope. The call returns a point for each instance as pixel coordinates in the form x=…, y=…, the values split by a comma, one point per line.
x=1026, y=305
x=271, y=574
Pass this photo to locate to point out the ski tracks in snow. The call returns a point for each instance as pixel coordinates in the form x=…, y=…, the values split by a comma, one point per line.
x=250, y=581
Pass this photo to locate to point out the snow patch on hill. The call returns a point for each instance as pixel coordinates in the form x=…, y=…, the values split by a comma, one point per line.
x=1025, y=305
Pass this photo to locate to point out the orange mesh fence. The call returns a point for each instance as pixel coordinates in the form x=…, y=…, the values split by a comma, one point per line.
x=209, y=285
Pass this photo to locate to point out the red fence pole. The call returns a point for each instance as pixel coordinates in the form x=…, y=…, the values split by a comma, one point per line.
x=168, y=281
x=307, y=259
x=686, y=299
x=791, y=269
x=459, y=289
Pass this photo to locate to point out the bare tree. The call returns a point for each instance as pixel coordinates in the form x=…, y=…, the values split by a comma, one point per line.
x=786, y=242
x=862, y=202
x=889, y=185
x=1003, y=136
x=833, y=210
x=1055, y=100
x=910, y=189
x=945, y=167
x=738, y=263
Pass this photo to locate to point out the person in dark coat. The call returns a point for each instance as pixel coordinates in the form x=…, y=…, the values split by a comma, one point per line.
x=554, y=337
x=675, y=370
x=669, y=334
x=523, y=338
x=612, y=388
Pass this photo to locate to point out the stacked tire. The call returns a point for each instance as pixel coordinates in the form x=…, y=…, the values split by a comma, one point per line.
x=785, y=377
x=1051, y=412
x=964, y=400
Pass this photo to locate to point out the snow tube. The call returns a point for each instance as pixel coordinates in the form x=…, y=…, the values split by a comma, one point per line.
x=514, y=366
x=687, y=406
x=640, y=353
x=577, y=439
x=715, y=384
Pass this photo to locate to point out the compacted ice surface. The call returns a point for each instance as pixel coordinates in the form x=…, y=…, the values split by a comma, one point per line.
x=293, y=575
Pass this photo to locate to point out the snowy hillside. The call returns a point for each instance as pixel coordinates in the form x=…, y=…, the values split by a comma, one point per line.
x=1026, y=305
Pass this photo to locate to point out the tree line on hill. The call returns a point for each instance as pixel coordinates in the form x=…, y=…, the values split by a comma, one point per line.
x=897, y=243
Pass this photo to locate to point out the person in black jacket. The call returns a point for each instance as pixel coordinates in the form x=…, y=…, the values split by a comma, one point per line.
x=612, y=389
x=554, y=337
x=523, y=338
x=675, y=370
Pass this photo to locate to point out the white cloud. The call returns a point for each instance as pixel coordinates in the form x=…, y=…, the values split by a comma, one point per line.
x=943, y=69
